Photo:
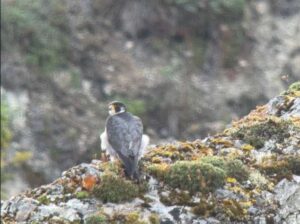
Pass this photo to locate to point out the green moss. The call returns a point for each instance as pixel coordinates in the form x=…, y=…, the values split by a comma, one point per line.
x=158, y=170
x=116, y=189
x=133, y=218
x=215, y=161
x=195, y=176
x=43, y=199
x=82, y=194
x=96, y=219
x=256, y=135
x=203, y=175
x=59, y=220
x=235, y=168
x=294, y=87
x=115, y=167
x=154, y=218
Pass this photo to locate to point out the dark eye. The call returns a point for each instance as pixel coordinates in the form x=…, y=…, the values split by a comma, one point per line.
x=117, y=108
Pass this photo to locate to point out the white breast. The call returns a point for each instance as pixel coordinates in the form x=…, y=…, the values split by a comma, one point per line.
x=105, y=146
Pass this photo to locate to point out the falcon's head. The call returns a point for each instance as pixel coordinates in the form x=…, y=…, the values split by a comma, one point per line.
x=116, y=107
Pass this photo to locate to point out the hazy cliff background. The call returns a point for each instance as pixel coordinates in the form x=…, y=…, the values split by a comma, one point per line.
x=186, y=67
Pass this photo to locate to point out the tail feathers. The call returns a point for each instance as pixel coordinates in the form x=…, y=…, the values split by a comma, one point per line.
x=130, y=164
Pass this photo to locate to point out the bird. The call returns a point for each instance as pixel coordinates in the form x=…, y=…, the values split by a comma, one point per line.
x=123, y=138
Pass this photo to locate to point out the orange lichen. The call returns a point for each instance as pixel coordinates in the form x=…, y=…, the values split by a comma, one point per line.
x=89, y=181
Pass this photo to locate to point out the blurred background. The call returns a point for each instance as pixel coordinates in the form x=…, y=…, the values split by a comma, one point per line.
x=186, y=67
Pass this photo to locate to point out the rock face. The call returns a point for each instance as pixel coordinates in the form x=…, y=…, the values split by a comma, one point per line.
x=248, y=173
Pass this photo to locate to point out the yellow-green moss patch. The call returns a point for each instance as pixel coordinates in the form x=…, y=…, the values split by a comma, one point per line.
x=97, y=219
x=113, y=188
x=43, y=199
x=154, y=218
x=193, y=176
x=294, y=87
x=257, y=135
x=82, y=194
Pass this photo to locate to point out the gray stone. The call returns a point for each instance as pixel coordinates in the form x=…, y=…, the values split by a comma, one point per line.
x=252, y=210
x=70, y=215
x=288, y=196
x=296, y=179
x=293, y=218
x=289, y=150
x=199, y=221
x=212, y=220
x=260, y=220
x=275, y=104
x=51, y=209
x=79, y=206
x=294, y=110
x=269, y=145
x=25, y=209
x=223, y=193
x=4, y=207
x=285, y=189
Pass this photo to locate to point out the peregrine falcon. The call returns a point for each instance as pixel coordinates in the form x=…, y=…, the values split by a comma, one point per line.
x=123, y=138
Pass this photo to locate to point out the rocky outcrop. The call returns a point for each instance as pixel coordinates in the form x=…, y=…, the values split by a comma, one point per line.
x=190, y=66
x=248, y=173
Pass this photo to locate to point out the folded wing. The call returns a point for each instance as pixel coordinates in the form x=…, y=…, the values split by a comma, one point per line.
x=124, y=134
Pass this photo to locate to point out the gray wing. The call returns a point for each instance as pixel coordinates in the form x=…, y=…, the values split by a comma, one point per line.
x=124, y=133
